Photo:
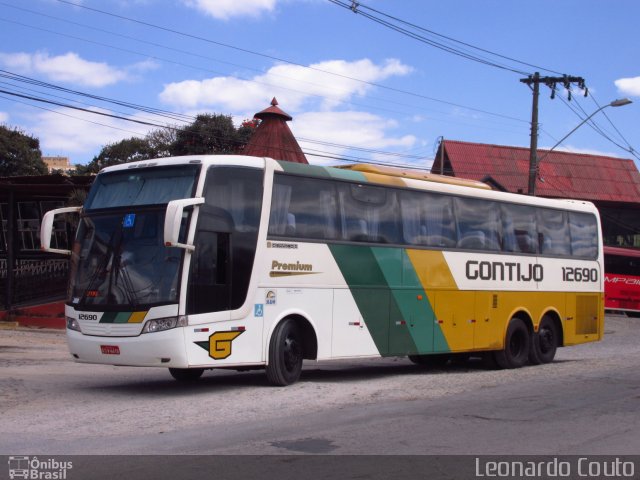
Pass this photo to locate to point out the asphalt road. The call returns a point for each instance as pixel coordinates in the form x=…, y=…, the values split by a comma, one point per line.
x=587, y=402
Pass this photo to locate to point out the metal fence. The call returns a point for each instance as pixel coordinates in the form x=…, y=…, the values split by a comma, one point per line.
x=34, y=280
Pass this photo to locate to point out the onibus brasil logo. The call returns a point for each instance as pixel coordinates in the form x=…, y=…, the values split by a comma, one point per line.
x=38, y=469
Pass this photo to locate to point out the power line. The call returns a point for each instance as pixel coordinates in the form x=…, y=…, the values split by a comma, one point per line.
x=307, y=151
x=70, y=116
x=425, y=40
x=431, y=32
x=279, y=87
x=164, y=126
x=74, y=107
x=133, y=106
x=355, y=7
x=592, y=124
x=25, y=89
x=283, y=60
x=631, y=150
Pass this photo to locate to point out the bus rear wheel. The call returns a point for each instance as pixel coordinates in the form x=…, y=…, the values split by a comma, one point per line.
x=516, y=345
x=285, y=354
x=544, y=343
x=186, y=374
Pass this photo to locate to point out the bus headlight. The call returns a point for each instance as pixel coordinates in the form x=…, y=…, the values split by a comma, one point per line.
x=72, y=324
x=161, y=324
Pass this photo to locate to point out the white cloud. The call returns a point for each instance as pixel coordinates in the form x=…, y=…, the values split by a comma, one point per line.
x=4, y=117
x=291, y=84
x=76, y=136
x=358, y=129
x=69, y=68
x=310, y=95
x=225, y=9
x=629, y=86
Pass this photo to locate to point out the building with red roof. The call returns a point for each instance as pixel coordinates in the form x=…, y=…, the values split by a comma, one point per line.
x=613, y=184
x=273, y=138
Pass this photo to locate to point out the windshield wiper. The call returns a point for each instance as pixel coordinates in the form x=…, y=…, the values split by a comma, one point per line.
x=102, y=267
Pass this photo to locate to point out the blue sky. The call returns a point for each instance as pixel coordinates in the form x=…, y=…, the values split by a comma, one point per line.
x=353, y=86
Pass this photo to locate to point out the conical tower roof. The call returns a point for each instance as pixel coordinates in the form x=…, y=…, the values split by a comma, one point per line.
x=273, y=138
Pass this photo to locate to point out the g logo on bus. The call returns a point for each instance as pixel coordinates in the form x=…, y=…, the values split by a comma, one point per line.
x=219, y=344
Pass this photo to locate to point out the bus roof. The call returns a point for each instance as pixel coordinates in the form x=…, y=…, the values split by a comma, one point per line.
x=370, y=173
x=414, y=174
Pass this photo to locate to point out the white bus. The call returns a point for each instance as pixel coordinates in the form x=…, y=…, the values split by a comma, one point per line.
x=200, y=262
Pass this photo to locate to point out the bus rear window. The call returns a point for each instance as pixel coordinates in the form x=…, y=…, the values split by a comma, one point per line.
x=584, y=235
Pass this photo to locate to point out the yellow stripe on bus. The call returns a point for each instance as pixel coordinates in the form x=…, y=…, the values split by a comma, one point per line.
x=137, y=317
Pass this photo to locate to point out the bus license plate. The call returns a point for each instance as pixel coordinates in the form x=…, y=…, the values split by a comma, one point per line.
x=110, y=349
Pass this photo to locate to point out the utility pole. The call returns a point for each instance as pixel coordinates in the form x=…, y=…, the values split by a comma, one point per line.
x=533, y=149
x=534, y=82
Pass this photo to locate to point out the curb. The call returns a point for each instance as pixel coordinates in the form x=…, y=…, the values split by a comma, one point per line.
x=6, y=325
x=48, y=315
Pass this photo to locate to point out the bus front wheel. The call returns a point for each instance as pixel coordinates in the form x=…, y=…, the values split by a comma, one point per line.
x=186, y=374
x=516, y=345
x=544, y=343
x=285, y=354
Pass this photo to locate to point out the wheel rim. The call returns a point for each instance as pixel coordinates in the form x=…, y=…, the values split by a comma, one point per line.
x=292, y=353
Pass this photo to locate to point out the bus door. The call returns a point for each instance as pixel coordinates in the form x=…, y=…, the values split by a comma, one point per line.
x=221, y=267
x=209, y=287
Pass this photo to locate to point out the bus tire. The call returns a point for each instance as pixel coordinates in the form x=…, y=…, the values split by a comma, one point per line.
x=186, y=374
x=517, y=344
x=544, y=343
x=285, y=354
x=434, y=360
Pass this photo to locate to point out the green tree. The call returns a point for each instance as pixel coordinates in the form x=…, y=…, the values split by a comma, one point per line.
x=124, y=151
x=162, y=139
x=19, y=154
x=210, y=134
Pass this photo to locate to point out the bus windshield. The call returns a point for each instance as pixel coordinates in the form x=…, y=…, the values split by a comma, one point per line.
x=119, y=258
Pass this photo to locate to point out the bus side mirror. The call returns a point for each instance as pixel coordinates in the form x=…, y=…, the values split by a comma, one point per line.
x=46, y=229
x=173, y=220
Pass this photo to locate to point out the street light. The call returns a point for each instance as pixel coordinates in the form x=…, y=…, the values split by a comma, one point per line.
x=532, y=180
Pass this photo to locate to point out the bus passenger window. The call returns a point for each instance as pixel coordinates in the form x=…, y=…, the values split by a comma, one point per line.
x=584, y=235
x=370, y=213
x=303, y=208
x=553, y=232
x=427, y=219
x=478, y=224
x=519, y=229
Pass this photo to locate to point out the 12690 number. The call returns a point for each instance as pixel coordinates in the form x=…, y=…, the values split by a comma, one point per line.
x=578, y=274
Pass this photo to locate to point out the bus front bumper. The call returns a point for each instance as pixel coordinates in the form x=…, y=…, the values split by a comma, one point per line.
x=158, y=349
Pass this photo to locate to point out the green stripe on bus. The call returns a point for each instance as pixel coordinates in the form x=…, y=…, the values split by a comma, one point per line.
x=115, y=317
x=303, y=169
x=108, y=317
x=416, y=311
x=122, y=317
x=369, y=289
x=391, y=299
x=425, y=313
x=322, y=172
x=350, y=175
